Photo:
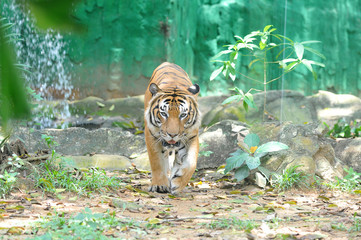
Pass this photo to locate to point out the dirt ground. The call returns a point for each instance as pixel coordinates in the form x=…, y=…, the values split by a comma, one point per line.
x=203, y=211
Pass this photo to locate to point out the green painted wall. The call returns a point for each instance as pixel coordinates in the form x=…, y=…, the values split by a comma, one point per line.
x=127, y=39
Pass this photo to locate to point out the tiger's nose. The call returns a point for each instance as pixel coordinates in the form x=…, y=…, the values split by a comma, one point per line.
x=172, y=135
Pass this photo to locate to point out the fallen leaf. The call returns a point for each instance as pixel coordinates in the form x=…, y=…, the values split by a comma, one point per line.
x=100, y=104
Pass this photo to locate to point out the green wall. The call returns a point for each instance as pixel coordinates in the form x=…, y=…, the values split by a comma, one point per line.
x=126, y=39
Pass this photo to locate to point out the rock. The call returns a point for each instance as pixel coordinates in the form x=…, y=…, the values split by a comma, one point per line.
x=349, y=152
x=221, y=139
x=104, y=161
x=330, y=107
x=80, y=141
x=132, y=107
x=141, y=161
x=293, y=105
x=261, y=181
x=86, y=105
x=295, y=108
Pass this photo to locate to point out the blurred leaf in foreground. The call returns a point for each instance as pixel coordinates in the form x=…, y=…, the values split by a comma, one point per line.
x=13, y=102
x=55, y=14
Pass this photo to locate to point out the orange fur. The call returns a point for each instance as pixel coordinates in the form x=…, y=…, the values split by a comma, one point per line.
x=172, y=122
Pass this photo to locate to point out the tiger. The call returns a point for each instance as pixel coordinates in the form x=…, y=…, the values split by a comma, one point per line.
x=172, y=120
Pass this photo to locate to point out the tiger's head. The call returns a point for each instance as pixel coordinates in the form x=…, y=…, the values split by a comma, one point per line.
x=173, y=115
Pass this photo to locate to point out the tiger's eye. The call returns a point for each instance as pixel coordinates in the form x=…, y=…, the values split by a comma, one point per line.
x=183, y=115
x=163, y=114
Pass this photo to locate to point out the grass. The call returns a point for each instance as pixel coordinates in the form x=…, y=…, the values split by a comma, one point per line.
x=87, y=225
x=350, y=183
x=233, y=223
x=289, y=178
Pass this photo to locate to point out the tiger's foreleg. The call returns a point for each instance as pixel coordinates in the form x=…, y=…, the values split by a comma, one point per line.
x=159, y=165
x=184, y=167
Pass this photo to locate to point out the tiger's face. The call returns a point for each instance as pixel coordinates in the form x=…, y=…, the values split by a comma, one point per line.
x=172, y=116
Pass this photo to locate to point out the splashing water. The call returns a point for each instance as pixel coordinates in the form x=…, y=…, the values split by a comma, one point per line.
x=45, y=56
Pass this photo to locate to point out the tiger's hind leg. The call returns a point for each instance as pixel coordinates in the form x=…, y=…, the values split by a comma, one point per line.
x=184, y=167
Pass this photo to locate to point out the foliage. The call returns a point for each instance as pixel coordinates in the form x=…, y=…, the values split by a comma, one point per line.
x=351, y=182
x=85, y=225
x=248, y=157
x=258, y=46
x=8, y=179
x=128, y=126
x=56, y=177
x=342, y=129
x=12, y=93
x=202, y=152
x=289, y=178
x=233, y=223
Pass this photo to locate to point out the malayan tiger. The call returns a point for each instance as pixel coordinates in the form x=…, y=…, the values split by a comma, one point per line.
x=172, y=121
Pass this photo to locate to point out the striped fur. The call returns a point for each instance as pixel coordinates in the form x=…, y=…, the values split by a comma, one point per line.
x=172, y=121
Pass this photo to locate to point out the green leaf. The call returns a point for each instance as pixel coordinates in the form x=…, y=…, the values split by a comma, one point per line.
x=235, y=161
x=266, y=28
x=54, y=14
x=252, y=140
x=248, y=98
x=231, y=99
x=241, y=173
x=299, y=49
x=309, y=67
x=215, y=73
x=315, y=52
x=12, y=90
x=310, y=42
x=253, y=162
x=222, y=53
x=271, y=147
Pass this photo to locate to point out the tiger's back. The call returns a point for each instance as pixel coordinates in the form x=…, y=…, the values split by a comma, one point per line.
x=172, y=121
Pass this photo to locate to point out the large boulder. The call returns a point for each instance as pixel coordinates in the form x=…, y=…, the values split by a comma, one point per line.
x=330, y=107
x=349, y=152
x=80, y=141
x=221, y=140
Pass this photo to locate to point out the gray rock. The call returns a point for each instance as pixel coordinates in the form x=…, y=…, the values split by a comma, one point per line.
x=330, y=107
x=221, y=139
x=103, y=161
x=349, y=152
x=80, y=141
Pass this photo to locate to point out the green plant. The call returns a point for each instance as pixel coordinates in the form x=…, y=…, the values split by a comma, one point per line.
x=202, y=152
x=85, y=225
x=7, y=181
x=56, y=174
x=248, y=157
x=257, y=46
x=349, y=183
x=289, y=178
x=356, y=225
x=342, y=129
x=233, y=223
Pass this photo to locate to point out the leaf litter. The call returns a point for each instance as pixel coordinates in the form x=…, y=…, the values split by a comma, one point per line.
x=204, y=209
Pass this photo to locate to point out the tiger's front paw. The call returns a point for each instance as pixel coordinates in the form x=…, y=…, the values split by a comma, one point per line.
x=159, y=189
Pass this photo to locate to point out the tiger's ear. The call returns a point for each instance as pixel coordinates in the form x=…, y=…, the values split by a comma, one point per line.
x=153, y=89
x=194, y=89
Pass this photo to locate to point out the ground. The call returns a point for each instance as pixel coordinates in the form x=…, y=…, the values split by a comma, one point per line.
x=211, y=207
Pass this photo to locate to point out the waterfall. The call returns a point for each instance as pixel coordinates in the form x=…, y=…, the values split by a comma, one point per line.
x=44, y=55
